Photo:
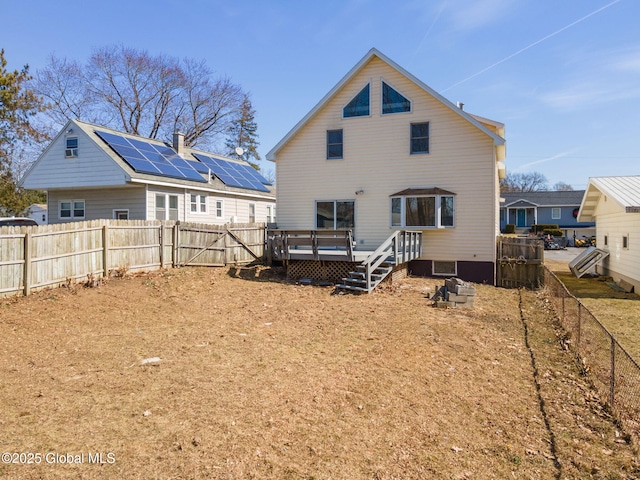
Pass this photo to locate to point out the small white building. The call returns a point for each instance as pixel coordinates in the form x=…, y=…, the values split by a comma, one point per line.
x=92, y=172
x=38, y=211
x=614, y=204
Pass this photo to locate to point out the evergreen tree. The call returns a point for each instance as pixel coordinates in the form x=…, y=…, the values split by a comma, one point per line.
x=243, y=133
x=18, y=104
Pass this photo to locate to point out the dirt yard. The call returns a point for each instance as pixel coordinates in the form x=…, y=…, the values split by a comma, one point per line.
x=250, y=377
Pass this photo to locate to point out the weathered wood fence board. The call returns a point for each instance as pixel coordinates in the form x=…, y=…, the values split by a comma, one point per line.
x=37, y=257
x=519, y=262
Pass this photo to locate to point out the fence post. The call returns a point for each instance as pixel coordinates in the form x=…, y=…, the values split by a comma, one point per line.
x=579, y=325
x=105, y=251
x=161, y=241
x=176, y=238
x=26, y=274
x=563, y=297
x=612, y=382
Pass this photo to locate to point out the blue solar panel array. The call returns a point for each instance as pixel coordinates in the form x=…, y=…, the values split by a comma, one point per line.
x=234, y=174
x=146, y=157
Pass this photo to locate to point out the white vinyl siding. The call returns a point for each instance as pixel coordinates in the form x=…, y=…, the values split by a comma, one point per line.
x=92, y=167
x=461, y=160
x=100, y=204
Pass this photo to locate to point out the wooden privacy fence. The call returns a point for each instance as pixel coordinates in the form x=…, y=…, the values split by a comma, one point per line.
x=519, y=262
x=49, y=255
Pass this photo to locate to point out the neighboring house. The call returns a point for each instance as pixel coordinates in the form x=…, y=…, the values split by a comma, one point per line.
x=614, y=204
x=92, y=172
x=38, y=212
x=524, y=209
x=382, y=152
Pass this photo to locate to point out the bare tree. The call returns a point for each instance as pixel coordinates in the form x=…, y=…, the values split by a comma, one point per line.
x=131, y=90
x=523, y=182
x=562, y=187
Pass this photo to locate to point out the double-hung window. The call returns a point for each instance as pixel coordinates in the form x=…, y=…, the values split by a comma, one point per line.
x=556, y=213
x=334, y=144
x=219, y=209
x=335, y=214
x=198, y=203
x=71, y=209
x=423, y=210
x=166, y=207
x=419, y=138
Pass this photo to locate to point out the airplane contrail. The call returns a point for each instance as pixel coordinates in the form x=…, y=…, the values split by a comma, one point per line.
x=532, y=45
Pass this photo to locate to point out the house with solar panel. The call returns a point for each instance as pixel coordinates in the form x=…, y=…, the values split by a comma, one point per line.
x=386, y=156
x=92, y=172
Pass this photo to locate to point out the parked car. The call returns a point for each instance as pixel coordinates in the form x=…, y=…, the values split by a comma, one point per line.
x=17, y=222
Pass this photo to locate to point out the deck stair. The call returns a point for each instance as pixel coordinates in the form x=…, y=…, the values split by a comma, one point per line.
x=401, y=247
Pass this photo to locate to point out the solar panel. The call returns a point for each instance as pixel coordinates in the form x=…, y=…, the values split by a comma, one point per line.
x=146, y=157
x=234, y=174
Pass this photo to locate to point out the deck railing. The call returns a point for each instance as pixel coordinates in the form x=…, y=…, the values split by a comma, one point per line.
x=401, y=247
x=311, y=244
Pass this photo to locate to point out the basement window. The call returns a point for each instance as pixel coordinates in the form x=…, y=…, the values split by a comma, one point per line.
x=445, y=268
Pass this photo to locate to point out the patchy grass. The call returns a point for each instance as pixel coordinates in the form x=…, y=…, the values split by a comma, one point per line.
x=617, y=311
x=259, y=378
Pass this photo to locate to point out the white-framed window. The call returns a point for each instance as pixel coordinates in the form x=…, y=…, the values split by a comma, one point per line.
x=71, y=209
x=556, y=213
x=166, y=206
x=198, y=203
x=335, y=214
x=252, y=213
x=71, y=147
x=393, y=101
x=445, y=268
x=219, y=209
x=271, y=214
x=121, y=214
x=428, y=211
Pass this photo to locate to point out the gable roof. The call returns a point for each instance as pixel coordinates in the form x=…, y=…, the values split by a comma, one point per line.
x=199, y=176
x=623, y=190
x=543, y=198
x=474, y=120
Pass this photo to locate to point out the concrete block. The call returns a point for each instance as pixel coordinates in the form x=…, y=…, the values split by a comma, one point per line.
x=465, y=290
x=626, y=286
x=452, y=297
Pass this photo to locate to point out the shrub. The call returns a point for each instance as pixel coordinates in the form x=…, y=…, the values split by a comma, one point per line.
x=540, y=227
x=554, y=232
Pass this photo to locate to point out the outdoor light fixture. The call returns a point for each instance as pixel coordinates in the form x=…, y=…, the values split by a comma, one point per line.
x=359, y=192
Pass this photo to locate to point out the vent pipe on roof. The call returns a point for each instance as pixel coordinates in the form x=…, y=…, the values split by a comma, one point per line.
x=178, y=142
x=460, y=105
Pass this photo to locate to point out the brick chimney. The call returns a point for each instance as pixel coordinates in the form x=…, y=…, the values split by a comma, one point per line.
x=178, y=142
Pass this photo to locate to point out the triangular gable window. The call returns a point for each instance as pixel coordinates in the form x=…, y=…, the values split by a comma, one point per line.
x=393, y=102
x=359, y=106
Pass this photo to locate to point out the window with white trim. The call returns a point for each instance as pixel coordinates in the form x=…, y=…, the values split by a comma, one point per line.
x=71, y=209
x=271, y=213
x=71, y=149
x=425, y=211
x=121, y=214
x=166, y=206
x=198, y=203
x=252, y=213
x=556, y=213
x=219, y=209
x=445, y=268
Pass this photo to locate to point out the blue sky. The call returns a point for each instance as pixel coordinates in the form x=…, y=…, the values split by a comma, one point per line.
x=564, y=76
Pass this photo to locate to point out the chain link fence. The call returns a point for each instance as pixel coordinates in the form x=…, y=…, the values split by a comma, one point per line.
x=615, y=374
